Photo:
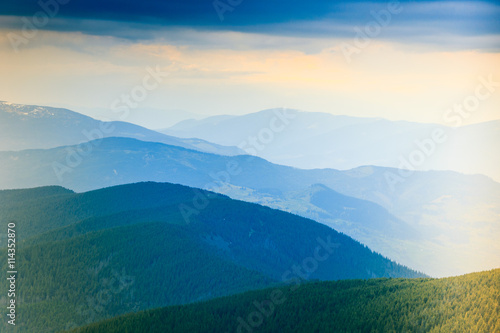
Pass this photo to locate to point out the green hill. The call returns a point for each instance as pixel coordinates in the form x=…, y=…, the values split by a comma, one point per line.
x=468, y=303
x=89, y=256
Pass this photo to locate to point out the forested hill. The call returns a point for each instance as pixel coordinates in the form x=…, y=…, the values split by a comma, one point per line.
x=468, y=303
x=163, y=244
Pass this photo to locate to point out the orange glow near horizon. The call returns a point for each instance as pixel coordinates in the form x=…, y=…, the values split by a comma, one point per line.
x=386, y=80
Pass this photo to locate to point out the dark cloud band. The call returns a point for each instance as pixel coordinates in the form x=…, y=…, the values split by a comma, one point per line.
x=140, y=19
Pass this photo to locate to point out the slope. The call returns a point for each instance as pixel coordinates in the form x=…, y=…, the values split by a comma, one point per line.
x=98, y=254
x=460, y=304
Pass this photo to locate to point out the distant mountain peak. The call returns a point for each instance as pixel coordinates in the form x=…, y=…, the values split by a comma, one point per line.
x=319, y=187
x=34, y=127
x=36, y=111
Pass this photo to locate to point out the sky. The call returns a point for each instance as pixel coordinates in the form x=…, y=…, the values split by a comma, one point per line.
x=408, y=60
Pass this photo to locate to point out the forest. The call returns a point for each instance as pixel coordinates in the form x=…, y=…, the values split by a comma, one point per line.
x=468, y=303
x=91, y=256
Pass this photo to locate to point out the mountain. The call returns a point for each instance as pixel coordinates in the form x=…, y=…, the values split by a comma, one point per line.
x=33, y=127
x=460, y=304
x=90, y=256
x=151, y=118
x=442, y=223
x=310, y=140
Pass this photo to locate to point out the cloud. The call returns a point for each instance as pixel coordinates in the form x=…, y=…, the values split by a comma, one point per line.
x=156, y=20
x=260, y=56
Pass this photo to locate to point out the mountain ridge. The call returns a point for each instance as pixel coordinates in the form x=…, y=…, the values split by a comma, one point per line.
x=40, y=127
x=321, y=140
x=133, y=243
x=456, y=214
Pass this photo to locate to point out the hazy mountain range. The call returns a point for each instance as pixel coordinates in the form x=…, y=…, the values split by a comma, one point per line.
x=164, y=243
x=147, y=117
x=442, y=223
x=319, y=140
x=32, y=126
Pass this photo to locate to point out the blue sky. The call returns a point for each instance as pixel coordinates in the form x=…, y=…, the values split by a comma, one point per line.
x=426, y=57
